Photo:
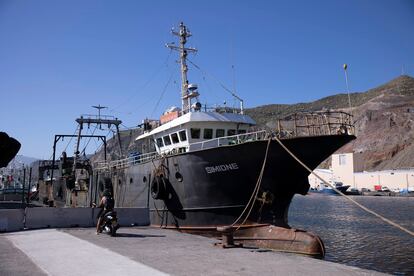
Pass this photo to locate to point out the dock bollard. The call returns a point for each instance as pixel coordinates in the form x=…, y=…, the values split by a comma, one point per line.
x=227, y=240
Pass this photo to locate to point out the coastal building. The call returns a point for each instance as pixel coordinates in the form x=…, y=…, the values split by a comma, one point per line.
x=345, y=168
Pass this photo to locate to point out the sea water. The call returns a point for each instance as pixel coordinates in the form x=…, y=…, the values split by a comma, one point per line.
x=354, y=237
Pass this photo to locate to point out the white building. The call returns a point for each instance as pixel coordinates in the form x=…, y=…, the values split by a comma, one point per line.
x=344, y=169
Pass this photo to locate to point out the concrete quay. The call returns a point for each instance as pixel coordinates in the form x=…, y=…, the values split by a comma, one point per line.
x=146, y=251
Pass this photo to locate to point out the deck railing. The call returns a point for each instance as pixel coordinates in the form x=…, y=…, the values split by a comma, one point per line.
x=315, y=124
x=126, y=162
x=229, y=140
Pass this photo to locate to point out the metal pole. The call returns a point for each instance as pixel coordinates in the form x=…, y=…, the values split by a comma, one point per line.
x=28, y=189
x=53, y=163
x=24, y=180
x=184, y=68
x=77, y=147
x=105, y=147
x=347, y=88
x=119, y=139
x=183, y=33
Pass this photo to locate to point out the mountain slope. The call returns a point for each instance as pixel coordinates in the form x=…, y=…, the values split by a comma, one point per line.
x=385, y=127
x=383, y=116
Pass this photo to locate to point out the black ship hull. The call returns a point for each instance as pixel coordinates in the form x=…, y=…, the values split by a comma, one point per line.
x=208, y=188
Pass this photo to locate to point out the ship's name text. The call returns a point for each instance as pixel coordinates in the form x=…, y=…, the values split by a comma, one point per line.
x=222, y=168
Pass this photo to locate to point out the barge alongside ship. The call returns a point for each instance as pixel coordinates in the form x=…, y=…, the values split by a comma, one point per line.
x=204, y=168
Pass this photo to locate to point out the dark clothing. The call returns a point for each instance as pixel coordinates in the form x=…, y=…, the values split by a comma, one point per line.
x=107, y=205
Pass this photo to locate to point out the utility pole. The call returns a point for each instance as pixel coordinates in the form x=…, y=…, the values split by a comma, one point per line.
x=345, y=66
x=24, y=180
x=28, y=189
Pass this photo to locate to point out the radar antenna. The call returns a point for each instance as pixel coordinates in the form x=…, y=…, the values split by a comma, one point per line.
x=99, y=107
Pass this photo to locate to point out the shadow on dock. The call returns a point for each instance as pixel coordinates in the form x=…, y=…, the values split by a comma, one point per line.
x=130, y=235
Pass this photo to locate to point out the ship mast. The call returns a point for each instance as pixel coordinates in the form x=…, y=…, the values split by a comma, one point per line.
x=183, y=34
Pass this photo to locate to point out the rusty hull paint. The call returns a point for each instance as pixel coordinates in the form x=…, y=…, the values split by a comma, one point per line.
x=282, y=239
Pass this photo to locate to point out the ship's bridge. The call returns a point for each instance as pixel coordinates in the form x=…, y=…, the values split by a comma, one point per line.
x=195, y=127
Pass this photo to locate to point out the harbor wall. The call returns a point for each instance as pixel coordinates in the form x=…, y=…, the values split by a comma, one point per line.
x=45, y=217
x=11, y=220
x=58, y=217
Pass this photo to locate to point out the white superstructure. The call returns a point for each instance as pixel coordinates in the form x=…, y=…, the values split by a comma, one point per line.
x=180, y=128
x=195, y=127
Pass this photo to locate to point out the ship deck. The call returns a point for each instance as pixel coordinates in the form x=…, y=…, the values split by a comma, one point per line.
x=147, y=251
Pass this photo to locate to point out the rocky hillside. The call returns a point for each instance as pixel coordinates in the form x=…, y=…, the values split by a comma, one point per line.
x=385, y=127
x=384, y=120
x=127, y=142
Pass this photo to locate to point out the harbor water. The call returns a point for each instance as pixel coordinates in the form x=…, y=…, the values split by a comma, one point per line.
x=354, y=237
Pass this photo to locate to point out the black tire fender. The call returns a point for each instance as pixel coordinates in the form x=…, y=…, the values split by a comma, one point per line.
x=158, y=189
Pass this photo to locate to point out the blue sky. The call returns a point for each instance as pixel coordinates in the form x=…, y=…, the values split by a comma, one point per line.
x=58, y=58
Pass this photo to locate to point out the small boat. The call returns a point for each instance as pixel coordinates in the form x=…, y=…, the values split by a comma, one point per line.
x=325, y=189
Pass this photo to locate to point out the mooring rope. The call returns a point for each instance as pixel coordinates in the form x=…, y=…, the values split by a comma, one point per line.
x=254, y=193
x=342, y=194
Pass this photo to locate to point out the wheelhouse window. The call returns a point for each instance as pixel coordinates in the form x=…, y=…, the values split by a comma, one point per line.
x=195, y=133
x=174, y=138
x=183, y=135
x=231, y=132
x=241, y=131
x=219, y=133
x=159, y=142
x=167, y=140
x=208, y=133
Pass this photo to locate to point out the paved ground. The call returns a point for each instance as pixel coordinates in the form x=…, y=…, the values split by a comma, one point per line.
x=146, y=251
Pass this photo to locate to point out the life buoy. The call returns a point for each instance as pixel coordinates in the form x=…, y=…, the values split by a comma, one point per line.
x=158, y=189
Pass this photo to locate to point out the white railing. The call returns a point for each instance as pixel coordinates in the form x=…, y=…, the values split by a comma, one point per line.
x=229, y=140
x=126, y=162
x=213, y=143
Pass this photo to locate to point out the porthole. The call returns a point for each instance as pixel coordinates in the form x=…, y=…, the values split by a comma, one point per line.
x=144, y=179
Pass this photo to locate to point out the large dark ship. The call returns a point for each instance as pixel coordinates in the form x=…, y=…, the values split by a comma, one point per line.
x=200, y=168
